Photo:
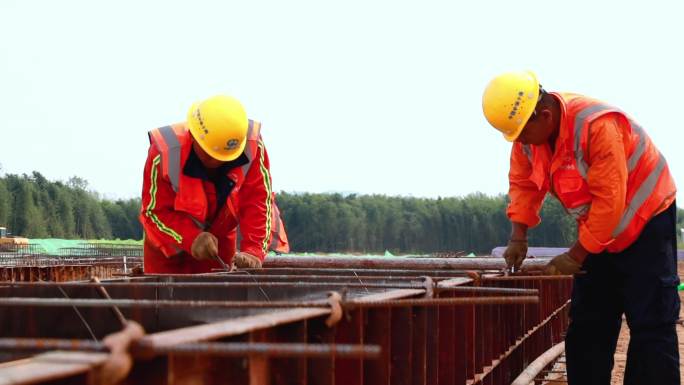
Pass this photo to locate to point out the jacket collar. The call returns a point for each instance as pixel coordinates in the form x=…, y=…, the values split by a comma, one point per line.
x=194, y=168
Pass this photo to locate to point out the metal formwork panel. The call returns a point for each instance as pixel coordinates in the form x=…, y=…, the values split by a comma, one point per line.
x=274, y=326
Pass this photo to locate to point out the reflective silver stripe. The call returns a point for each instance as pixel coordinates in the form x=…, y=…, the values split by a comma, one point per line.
x=643, y=192
x=580, y=211
x=580, y=119
x=248, y=149
x=174, y=150
x=527, y=151
x=640, y=148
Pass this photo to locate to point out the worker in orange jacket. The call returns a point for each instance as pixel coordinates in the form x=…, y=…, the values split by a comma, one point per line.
x=202, y=179
x=608, y=174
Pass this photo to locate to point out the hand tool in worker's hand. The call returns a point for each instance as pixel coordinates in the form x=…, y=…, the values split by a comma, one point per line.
x=515, y=254
x=223, y=264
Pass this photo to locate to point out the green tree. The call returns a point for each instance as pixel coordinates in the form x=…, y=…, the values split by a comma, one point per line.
x=6, y=202
x=64, y=210
x=477, y=222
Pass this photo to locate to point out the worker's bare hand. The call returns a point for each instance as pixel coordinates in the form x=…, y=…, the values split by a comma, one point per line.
x=205, y=246
x=119, y=362
x=246, y=260
x=562, y=264
x=515, y=253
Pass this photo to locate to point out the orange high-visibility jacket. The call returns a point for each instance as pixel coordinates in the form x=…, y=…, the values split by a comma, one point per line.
x=177, y=207
x=605, y=171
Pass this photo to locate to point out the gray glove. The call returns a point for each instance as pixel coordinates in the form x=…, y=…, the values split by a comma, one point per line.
x=562, y=264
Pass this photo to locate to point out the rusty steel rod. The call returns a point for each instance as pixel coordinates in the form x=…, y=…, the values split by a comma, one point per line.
x=269, y=349
x=103, y=292
x=79, y=315
x=147, y=303
x=213, y=280
x=398, y=285
x=466, y=301
x=38, y=344
x=490, y=290
x=266, y=274
x=144, y=303
x=529, y=278
x=231, y=349
x=390, y=272
x=397, y=262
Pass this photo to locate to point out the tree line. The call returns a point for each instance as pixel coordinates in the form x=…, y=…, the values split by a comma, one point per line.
x=375, y=223
x=34, y=207
x=31, y=206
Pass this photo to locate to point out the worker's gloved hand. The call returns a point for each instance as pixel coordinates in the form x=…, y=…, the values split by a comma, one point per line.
x=562, y=264
x=205, y=246
x=246, y=260
x=515, y=253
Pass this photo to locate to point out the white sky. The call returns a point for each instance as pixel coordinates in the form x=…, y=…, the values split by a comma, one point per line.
x=358, y=96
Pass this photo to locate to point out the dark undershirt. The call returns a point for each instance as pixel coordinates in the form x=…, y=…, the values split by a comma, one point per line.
x=218, y=176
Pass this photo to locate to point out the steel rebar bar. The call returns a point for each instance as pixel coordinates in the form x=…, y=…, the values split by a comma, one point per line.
x=528, y=278
x=144, y=303
x=398, y=285
x=200, y=348
x=147, y=303
x=514, y=300
x=103, y=292
x=490, y=290
x=487, y=263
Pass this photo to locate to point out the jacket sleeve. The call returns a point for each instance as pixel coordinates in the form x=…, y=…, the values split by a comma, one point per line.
x=526, y=197
x=607, y=179
x=256, y=203
x=171, y=231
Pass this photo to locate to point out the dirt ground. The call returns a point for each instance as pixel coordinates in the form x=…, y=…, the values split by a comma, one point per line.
x=623, y=342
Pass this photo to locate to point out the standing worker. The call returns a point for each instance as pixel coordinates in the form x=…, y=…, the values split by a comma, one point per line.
x=202, y=179
x=610, y=177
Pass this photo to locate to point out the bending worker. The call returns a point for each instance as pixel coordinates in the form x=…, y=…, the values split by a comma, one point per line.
x=611, y=178
x=202, y=179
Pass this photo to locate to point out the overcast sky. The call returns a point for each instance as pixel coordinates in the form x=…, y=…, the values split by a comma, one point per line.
x=354, y=96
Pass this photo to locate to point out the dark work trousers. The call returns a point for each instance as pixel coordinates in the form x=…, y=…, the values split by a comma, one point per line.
x=640, y=282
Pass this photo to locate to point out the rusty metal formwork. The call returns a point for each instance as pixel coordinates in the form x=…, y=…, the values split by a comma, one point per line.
x=29, y=263
x=50, y=268
x=298, y=321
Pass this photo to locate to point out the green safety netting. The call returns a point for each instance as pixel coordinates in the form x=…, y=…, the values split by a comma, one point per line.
x=53, y=246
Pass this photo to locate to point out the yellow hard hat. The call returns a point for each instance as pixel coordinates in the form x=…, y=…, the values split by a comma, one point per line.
x=509, y=100
x=219, y=125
